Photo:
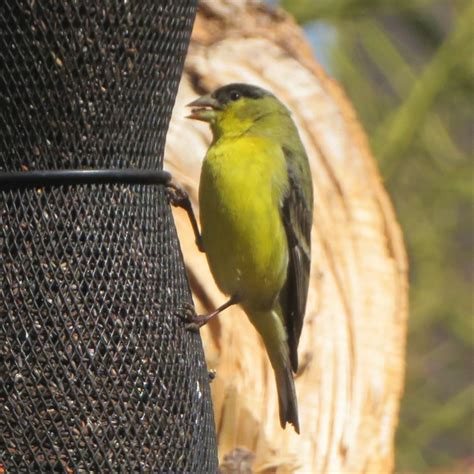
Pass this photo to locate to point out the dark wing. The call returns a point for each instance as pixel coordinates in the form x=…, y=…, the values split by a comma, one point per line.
x=297, y=214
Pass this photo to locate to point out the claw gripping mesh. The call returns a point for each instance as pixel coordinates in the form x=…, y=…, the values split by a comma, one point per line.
x=97, y=373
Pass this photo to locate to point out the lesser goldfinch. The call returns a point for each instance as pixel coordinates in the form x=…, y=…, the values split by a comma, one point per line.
x=256, y=205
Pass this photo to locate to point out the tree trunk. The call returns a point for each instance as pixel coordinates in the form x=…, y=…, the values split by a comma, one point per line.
x=353, y=343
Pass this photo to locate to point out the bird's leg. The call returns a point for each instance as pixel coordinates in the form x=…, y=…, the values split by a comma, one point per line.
x=204, y=319
x=178, y=197
x=195, y=322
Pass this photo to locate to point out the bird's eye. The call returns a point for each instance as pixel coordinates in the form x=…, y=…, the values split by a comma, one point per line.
x=234, y=95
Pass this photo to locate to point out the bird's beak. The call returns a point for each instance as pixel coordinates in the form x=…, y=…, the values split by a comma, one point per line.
x=204, y=108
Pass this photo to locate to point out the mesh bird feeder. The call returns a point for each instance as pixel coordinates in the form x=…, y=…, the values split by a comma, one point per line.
x=97, y=372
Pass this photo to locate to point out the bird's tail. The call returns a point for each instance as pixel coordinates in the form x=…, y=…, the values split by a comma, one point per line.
x=270, y=326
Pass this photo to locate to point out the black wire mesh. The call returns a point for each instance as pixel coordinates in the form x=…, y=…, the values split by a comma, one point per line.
x=96, y=370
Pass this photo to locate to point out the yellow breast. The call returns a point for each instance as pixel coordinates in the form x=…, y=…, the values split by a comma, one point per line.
x=243, y=181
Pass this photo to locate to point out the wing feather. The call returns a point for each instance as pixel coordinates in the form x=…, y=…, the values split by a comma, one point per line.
x=297, y=210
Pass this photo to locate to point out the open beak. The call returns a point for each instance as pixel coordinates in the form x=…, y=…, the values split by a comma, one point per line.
x=204, y=108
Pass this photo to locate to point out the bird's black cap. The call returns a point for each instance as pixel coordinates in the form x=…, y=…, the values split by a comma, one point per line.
x=232, y=92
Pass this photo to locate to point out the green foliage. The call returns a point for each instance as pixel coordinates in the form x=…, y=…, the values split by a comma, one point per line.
x=408, y=68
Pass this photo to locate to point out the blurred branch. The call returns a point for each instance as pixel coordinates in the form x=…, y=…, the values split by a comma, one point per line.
x=401, y=78
x=309, y=10
x=358, y=77
x=393, y=138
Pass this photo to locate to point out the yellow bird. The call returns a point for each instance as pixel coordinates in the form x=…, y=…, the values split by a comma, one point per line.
x=256, y=204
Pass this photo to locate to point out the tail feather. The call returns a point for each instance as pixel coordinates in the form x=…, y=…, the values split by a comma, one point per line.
x=270, y=326
x=287, y=397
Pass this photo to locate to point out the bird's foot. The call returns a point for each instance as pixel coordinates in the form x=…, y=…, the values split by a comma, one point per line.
x=176, y=195
x=193, y=322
